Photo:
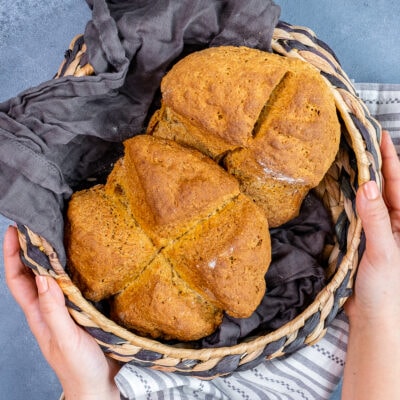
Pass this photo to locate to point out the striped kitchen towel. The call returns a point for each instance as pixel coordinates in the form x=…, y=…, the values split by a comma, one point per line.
x=311, y=373
x=383, y=101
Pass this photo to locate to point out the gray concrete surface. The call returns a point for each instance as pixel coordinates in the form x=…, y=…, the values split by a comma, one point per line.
x=33, y=38
x=363, y=33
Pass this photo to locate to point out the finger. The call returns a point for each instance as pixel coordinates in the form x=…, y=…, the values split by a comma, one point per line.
x=376, y=222
x=390, y=171
x=21, y=282
x=19, y=278
x=391, y=175
x=54, y=311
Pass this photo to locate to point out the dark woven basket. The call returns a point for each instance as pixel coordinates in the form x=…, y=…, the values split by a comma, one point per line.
x=358, y=161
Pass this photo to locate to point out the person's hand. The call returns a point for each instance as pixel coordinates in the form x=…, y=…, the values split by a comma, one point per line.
x=83, y=370
x=372, y=366
x=377, y=287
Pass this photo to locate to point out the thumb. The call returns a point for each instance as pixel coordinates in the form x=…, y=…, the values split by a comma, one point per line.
x=375, y=219
x=53, y=309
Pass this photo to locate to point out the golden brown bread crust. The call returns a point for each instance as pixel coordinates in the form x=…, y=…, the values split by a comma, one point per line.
x=161, y=304
x=218, y=257
x=198, y=246
x=93, y=233
x=270, y=120
x=175, y=187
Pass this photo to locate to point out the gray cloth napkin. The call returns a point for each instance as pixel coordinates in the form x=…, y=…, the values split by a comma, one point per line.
x=57, y=134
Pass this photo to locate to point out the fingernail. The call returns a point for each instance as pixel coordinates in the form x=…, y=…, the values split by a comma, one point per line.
x=371, y=190
x=42, y=284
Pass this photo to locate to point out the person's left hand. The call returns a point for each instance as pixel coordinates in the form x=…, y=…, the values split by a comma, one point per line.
x=82, y=368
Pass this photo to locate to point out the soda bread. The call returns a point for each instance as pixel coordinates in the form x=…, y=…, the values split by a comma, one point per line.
x=269, y=120
x=170, y=240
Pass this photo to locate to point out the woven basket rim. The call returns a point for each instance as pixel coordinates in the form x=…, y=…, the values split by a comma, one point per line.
x=244, y=347
x=290, y=41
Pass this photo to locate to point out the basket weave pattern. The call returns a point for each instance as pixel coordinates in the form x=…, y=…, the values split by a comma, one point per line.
x=357, y=161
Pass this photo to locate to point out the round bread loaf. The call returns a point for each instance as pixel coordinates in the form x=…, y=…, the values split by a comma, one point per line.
x=271, y=121
x=170, y=240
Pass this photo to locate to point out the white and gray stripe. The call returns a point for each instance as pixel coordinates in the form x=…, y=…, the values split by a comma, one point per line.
x=383, y=101
x=309, y=374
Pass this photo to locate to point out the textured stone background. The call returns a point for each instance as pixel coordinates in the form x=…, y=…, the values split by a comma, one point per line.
x=33, y=38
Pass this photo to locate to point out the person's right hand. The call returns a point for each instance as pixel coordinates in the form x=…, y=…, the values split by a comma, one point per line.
x=377, y=285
